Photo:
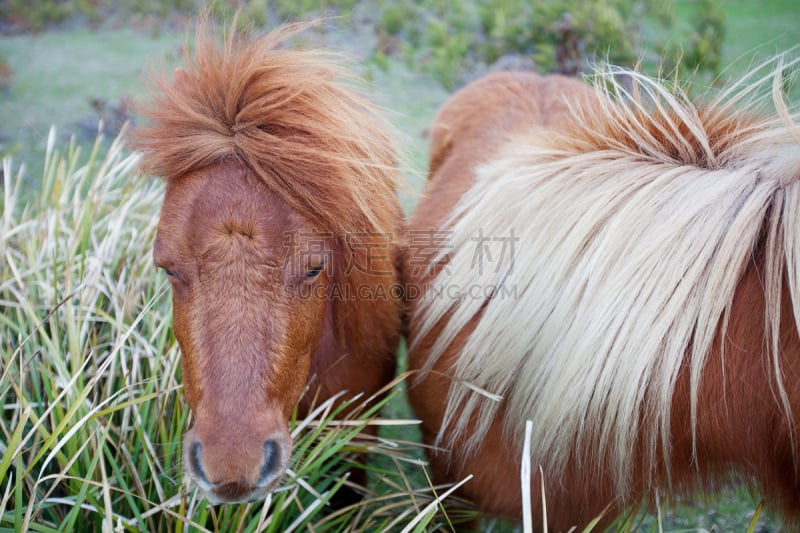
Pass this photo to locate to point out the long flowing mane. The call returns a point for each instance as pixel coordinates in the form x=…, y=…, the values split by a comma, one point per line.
x=286, y=114
x=630, y=232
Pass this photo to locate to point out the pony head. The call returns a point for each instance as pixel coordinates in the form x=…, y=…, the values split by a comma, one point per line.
x=268, y=162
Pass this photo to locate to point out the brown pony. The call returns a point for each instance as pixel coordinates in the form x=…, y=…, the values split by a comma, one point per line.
x=621, y=267
x=278, y=234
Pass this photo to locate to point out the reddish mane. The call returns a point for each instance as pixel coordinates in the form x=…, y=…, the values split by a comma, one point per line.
x=283, y=114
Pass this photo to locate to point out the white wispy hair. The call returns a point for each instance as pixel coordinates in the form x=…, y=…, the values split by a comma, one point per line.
x=634, y=228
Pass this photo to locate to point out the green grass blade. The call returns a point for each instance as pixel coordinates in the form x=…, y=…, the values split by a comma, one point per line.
x=13, y=445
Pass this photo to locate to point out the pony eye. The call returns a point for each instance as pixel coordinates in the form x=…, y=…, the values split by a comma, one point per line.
x=313, y=272
x=169, y=273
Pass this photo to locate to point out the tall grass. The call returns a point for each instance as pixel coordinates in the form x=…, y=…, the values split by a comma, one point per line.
x=92, y=410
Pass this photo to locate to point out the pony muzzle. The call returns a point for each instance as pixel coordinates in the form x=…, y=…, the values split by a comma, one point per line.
x=235, y=470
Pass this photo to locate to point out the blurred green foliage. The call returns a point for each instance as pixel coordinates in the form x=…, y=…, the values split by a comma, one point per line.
x=452, y=39
x=456, y=39
x=35, y=15
x=706, y=42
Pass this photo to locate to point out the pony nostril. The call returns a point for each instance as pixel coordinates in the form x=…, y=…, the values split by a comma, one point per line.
x=194, y=459
x=271, y=461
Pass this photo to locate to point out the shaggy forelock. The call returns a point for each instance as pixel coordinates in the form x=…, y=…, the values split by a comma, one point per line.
x=288, y=115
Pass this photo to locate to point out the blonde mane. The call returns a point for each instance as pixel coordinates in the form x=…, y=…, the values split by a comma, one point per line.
x=286, y=115
x=630, y=232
